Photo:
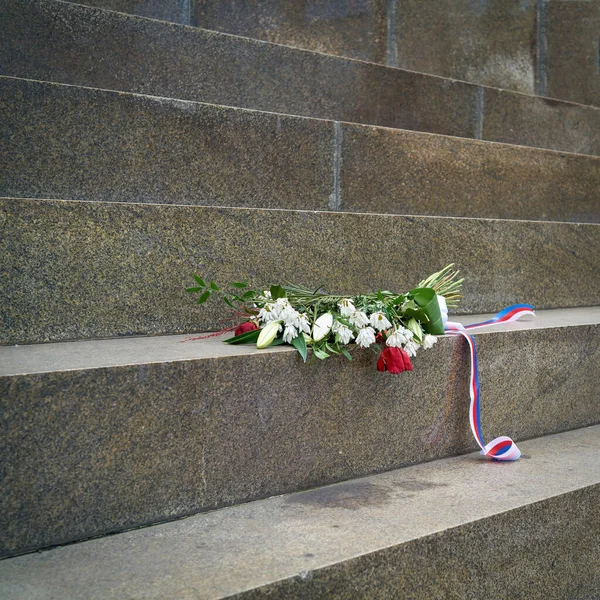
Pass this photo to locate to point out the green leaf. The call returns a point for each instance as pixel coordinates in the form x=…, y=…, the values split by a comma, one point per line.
x=427, y=301
x=249, y=295
x=332, y=350
x=200, y=281
x=320, y=353
x=300, y=344
x=346, y=353
x=244, y=338
x=194, y=289
x=276, y=342
x=214, y=286
x=228, y=301
x=277, y=292
x=204, y=297
x=240, y=284
x=380, y=296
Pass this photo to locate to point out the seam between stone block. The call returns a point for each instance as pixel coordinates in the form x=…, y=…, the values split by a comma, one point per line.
x=541, y=58
x=391, y=54
x=186, y=12
x=479, y=109
x=335, y=199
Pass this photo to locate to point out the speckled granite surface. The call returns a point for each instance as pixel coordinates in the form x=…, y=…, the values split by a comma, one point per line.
x=542, y=122
x=549, y=48
x=161, y=438
x=462, y=527
x=491, y=43
x=572, y=51
x=545, y=551
x=55, y=41
x=385, y=170
x=83, y=144
x=74, y=270
x=176, y=11
x=354, y=28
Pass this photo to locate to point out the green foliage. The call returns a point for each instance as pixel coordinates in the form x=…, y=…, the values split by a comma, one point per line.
x=300, y=344
x=417, y=310
x=249, y=337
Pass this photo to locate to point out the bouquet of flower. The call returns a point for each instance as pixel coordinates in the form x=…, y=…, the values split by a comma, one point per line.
x=330, y=325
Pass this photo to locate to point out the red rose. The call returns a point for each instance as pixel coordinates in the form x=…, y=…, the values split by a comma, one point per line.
x=245, y=327
x=394, y=360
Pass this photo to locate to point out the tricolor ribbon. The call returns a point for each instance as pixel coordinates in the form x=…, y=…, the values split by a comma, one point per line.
x=501, y=448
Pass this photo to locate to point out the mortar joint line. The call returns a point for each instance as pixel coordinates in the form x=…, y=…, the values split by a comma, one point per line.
x=335, y=199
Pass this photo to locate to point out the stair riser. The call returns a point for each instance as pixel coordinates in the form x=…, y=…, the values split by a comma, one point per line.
x=93, y=451
x=74, y=270
x=56, y=41
x=548, y=48
x=175, y=11
x=83, y=144
x=547, y=550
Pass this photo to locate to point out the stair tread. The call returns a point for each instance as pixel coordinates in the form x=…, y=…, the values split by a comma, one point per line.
x=231, y=550
x=94, y=354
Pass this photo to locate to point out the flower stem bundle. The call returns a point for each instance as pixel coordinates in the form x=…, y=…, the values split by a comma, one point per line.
x=333, y=324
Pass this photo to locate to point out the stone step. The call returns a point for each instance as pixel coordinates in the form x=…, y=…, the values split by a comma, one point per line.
x=101, y=436
x=85, y=144
x=57, y=41
x=548, y=48
x=454, y=528
x=74, y=270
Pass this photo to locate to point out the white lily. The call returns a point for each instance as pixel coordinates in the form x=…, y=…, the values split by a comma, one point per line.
x=322, y=327
x=379, y=321
x=303, y=324
x=397, y=338
x=269, y=313
x=365, y=337
x=359, y=319
x=289, y=333
x=411, y=348
x=344, y=333
x=429, y=341
x=346, y=307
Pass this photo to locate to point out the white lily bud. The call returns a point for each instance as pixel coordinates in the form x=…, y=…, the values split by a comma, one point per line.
x=416, y=328
x=322, y=327
x=267, y=334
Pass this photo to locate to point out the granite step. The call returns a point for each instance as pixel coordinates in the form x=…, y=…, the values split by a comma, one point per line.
x=86, y=144
x=546, y=48
x=101, y=436
x=68, y=43
x=454, y=528
x=73, y=270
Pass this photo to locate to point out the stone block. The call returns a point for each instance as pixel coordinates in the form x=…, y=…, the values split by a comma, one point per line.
x=75, y=270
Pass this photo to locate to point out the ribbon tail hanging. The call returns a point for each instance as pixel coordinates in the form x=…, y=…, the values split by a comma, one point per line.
x=501, y=448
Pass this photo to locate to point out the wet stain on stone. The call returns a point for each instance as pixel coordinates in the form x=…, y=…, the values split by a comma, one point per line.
x=350, y=496
x=417, y=486
x=525, y=456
